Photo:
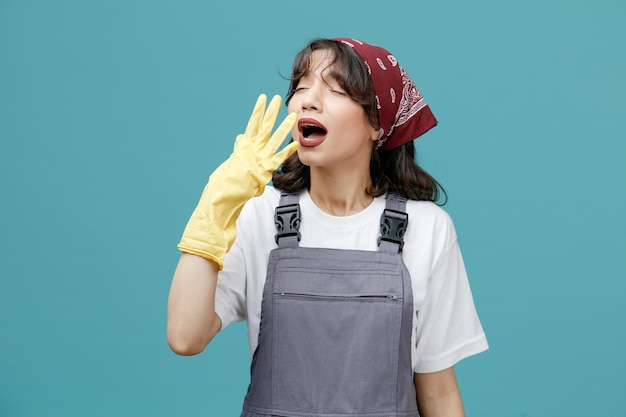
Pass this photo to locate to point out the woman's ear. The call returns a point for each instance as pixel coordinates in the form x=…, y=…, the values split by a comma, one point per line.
x=374, y=133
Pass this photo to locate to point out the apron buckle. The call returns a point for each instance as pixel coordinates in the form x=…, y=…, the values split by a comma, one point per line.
x=287, y=220
x=392, y=227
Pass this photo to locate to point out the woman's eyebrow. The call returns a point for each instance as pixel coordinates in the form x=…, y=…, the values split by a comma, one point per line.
x=332, y=75
x=306, y=74
x=335, y=75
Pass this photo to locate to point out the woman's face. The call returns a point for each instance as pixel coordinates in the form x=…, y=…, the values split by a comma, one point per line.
x=332, y=128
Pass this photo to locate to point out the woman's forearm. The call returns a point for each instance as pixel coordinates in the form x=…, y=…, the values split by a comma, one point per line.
x=191, y=318
x=438, y=394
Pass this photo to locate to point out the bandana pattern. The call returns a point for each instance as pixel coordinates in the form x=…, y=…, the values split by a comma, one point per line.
x=402, y=111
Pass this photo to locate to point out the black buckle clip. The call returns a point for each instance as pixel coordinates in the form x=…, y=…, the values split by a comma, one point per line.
x=287, y=220
x=393, y=226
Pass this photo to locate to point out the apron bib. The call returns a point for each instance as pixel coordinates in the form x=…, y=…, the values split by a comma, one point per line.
x=335, y=332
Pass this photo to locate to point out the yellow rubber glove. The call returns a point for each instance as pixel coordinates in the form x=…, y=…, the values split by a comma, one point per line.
x=211, y=231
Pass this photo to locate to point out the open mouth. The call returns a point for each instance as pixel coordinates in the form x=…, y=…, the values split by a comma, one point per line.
x=312, y=132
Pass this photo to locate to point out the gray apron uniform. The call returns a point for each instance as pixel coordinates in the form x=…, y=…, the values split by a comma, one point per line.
x=335, y=332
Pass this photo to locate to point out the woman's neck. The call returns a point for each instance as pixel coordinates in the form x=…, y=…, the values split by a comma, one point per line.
x=340, y=193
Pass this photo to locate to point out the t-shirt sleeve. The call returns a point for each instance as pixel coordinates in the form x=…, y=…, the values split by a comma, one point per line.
x=230, y=295
x=447, y=325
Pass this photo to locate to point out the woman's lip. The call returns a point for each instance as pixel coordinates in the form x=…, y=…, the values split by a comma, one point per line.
x=308, y=121
x=310, y=142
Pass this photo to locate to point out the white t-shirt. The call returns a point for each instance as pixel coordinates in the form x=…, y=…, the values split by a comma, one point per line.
x=446, y=327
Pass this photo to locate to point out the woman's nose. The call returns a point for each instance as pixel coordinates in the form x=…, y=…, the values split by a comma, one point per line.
x=312, y=98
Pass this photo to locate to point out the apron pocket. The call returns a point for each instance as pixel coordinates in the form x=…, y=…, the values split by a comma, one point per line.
x=327, y=348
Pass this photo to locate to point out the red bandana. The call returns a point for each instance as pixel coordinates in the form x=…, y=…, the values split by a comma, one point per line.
x=402, y=112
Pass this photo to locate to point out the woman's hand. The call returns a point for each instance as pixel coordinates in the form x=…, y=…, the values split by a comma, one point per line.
x=210, y=231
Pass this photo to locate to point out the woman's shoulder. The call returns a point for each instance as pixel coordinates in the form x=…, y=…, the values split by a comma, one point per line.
x=262, y=204
x=427, y=216
x=427, y=210
x=255, y=224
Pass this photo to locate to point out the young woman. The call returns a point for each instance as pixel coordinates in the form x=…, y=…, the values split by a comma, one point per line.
x=346, y=270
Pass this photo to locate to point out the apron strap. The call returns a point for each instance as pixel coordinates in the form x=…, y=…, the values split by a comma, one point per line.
x=287, y=221
x=393, y=224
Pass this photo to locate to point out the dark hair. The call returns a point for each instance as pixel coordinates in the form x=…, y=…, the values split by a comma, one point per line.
x=393, y=170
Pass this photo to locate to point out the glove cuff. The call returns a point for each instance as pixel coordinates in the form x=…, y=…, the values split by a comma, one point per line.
x=209, y=243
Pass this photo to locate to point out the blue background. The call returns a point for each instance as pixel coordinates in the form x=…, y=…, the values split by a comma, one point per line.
x=113, y=114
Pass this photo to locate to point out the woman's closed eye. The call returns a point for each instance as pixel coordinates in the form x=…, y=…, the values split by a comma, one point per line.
x=338, y=91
